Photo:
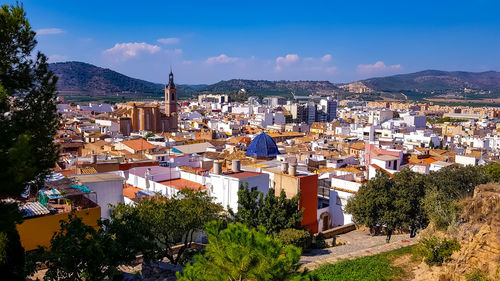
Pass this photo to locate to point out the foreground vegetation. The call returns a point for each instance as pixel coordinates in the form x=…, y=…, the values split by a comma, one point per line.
x=408, y=201
x=372, y=268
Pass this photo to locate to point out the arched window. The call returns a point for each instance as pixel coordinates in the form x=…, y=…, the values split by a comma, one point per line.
x=173, y=97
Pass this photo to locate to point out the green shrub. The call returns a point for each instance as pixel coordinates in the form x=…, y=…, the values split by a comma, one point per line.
x=296, y=237
x=437, y=250
x=476, y=275
x=374, y=268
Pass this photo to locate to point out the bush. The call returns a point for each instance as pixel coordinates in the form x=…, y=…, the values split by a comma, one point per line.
x=295, y=237
x=476, y=275
x=437, y=250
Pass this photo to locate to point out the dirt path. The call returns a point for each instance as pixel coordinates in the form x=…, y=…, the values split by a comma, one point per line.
x=359, y=244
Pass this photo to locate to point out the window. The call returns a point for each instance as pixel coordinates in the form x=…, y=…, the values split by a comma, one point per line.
x=253, y=188
x=339, y=201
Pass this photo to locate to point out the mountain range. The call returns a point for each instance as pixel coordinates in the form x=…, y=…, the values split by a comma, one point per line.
x=436, y=80
x=83, y=79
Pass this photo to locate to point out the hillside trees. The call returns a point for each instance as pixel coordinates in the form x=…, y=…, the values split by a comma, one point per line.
x=242, y=253
x=28, y=121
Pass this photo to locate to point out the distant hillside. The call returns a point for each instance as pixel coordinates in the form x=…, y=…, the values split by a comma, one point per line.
x=83, y=80
x=78, y=78
x=435, y=80
x=265, y=87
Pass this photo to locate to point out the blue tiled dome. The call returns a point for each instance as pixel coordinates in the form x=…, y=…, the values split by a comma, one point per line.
x=262, y=146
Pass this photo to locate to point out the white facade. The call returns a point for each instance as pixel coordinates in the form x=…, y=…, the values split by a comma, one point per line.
x=224, y=188
x=466, y=160
x=108, y=188
x=376, y=117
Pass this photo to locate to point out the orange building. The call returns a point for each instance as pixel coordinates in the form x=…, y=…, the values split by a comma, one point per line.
x=292, y=183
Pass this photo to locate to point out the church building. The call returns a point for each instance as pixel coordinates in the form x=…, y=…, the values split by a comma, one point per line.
x=136, y=116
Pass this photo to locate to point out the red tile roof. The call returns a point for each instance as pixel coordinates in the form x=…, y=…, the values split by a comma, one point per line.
x=138, y=144
x=180, y=184
x=243, y=174
x=130, y=191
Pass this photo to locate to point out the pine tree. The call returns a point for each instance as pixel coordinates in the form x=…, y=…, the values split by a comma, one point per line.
x=28, y=122
x=242, y=253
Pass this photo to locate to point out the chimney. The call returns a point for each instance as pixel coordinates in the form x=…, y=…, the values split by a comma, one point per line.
x=235, y=165
x=292, y=169
x=217, y=167
x=284, y=167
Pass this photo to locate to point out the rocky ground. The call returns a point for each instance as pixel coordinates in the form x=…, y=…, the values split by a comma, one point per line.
x=479, y=237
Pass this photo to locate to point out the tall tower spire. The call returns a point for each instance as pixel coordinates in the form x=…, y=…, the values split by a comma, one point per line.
x=170, y=96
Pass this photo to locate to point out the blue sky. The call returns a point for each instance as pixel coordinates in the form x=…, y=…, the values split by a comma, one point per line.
x=207, y=41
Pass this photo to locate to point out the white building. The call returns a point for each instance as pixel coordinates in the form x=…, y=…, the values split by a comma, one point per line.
x=108, y=188
x=376, y=117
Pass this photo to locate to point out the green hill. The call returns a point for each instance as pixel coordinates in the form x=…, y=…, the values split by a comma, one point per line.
x=436, y=80
x=78, y=78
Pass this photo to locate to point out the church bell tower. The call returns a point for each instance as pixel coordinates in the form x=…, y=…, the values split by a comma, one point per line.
x=170, y=96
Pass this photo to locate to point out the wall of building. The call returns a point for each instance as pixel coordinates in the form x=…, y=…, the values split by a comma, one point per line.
x=308, y=186
x=108, y=192
x=38, y=231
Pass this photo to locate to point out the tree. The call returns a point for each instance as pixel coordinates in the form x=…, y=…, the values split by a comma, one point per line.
x=274, y=213
x=170, y=222
x=364, y=206
x=242, y=253
x=28, y=121
x=410, y=190
x=80, y=252
x=149, y=135
x=446, y=187
x=389, y=203
x=493, y=171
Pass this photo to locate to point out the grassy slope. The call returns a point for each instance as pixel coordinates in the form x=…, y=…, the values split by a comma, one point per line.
x=377, y=267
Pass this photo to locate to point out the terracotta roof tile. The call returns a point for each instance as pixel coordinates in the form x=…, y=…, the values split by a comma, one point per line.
x=138, y=144
x=180, y=184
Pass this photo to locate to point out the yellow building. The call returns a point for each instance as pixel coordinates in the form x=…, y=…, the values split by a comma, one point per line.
x=44, y=212
x=38, y=231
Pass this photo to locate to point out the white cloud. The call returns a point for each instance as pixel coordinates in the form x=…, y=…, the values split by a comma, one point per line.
x=326, y=58
x=57, y=58
x=286, y=60
x=290, y=58
x=379, y=66
x=49, y=31
x=331, y=69
x=169, y=41
x=221, y=59
x=125, y=51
